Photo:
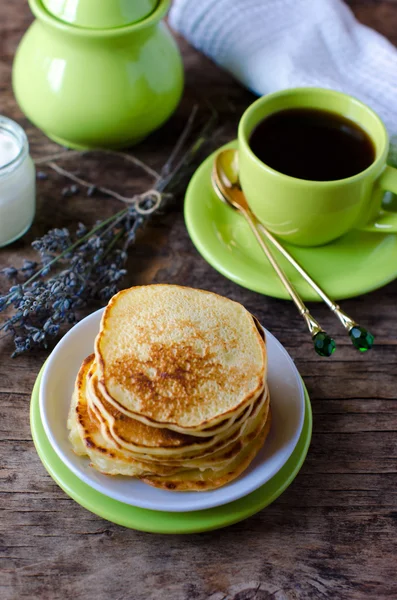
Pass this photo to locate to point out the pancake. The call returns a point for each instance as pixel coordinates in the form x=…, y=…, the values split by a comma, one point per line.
x=204, y=480
x=140, y=436
x=132, y=435
x=182, y=358
x=217, y=459
x=110, y=405
x=217, y=429
x=194, y=455
x=86, y=436
x=87, y=439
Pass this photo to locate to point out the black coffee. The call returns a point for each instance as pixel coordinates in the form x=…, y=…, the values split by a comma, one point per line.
x=312, y=144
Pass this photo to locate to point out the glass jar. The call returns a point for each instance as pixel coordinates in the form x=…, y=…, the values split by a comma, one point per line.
x=17, y=182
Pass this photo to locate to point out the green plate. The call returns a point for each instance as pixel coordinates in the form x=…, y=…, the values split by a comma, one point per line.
x=166, y=522
x=354, y=264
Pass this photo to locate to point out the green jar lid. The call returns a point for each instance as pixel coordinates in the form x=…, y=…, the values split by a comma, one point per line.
x=100, y=14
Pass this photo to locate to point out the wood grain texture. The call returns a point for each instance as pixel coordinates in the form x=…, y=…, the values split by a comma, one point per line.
x=332, y=534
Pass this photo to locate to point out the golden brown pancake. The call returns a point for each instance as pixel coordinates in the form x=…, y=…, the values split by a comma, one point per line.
x=204, y=480
x=155, y=443
x=184, y=358
x=87, y=435
x=212, y=451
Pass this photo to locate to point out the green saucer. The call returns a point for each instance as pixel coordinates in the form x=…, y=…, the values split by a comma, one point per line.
x=166, y=522
x=357, y=263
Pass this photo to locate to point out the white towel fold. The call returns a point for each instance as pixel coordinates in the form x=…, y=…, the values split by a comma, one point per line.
x=274, y=44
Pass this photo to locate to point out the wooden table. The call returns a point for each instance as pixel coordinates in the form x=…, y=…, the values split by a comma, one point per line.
x=332, y=534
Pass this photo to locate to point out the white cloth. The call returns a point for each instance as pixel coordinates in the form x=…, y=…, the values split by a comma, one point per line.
x=275, y=44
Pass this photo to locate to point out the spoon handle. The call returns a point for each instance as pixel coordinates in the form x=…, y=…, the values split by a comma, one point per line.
x=323, y=344
x=360, y=337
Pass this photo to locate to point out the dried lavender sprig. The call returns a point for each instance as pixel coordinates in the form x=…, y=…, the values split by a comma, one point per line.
x=93, y=267
x=65, y=252
x=160, y=186
x=163, y=181
x=44, y=306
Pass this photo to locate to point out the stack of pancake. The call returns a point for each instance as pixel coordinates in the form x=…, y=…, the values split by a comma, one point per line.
x=175, y=393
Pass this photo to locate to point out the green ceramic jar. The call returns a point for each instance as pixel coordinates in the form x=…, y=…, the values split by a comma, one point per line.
x=90, y=88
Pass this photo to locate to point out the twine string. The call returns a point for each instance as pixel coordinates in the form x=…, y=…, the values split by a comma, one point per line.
x=138, y=201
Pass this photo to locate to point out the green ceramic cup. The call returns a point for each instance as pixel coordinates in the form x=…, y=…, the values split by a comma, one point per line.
x=311, y=213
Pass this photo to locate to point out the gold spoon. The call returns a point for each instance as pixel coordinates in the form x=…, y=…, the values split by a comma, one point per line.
x=226, y=184
x=324, y=345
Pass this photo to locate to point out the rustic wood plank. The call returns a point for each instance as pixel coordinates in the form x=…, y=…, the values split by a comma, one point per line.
x=331, y=535
x=379, y=15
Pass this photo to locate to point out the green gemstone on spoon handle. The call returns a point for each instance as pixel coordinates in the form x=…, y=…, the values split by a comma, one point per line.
x=361, y=339
x=324, y=345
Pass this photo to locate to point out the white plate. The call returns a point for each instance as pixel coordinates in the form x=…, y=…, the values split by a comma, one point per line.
x=288, y=407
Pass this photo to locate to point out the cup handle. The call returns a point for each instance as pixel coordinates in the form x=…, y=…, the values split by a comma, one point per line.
x=385, y=221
